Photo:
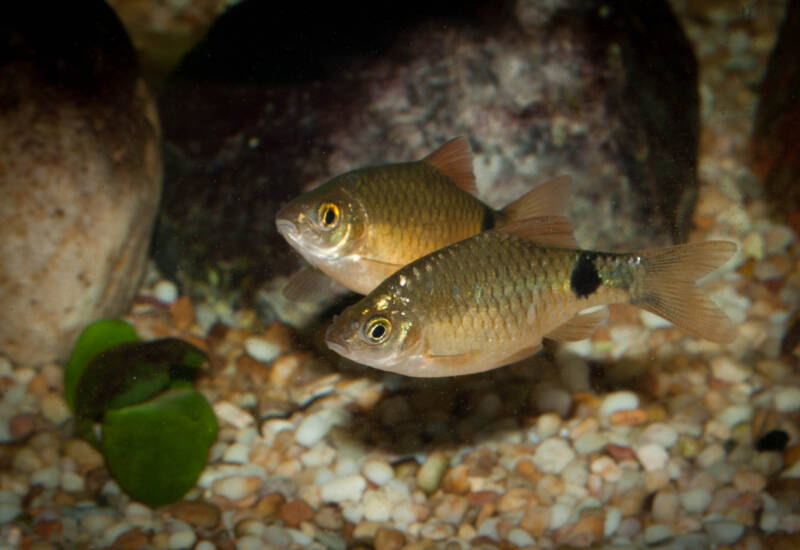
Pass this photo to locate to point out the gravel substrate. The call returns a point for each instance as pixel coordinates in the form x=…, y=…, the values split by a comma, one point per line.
x=637, y=437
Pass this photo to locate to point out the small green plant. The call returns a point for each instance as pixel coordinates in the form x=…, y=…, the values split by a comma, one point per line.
x=155, y=428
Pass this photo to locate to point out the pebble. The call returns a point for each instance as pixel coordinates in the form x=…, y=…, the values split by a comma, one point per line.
x=54, y=408
x=559, y=515
x=666, y=506
x=296, y=511
x=230, y=413
x=618, y=401
x=612, y=521
x=652, y=456
x=657, y=533
x=710, y=455
x=10, y=506
x=165, y=291
x=431, y=472
x=182, y=539
x=249, y=542
x=724, y=532
x=537, y=520
x=236, y=487
x=96, y=521
x=736, y=414
x=205, y=545
x=47, y=477
x=787, y=399
x=662, y=434
x=204, y=515
x=261, y=349
x=377, y=506
x=590, y=442
x=236, y=453
x=378, y=471
x=520, y=538
x=344, y=488
x=607, y=468
x=547, y=425
x=696, y=501
x=317, y=425
x=553, y=455
x=727, y=370
x=72, y=482
x=389, y=539
x=451, y=508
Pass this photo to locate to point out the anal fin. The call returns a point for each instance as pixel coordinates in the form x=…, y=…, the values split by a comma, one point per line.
x=579, y=327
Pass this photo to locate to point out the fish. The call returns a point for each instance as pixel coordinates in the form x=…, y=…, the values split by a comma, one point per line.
x=361, y=226
x=490, y=299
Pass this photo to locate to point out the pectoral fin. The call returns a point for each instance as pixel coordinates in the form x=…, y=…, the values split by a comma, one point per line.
x=309, y=284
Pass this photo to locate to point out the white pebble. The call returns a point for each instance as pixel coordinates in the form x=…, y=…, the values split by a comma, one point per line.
x=97, y=522
x=182, y=539
x=552, y=399
x=725, y=369
x=277, y=536
x=378, y=471
x=317, y=425
x=724, y=532
x=344, y=488
x=559, y=515
x=547, y=425
x=72, y=482
x=228, y=412
x=710, y=455
x=660, y=433
x=10, y=506
x=377, y=506
x=261, y=350
x=300, y=538
x=652, y=456
x=613, y=519
x=696, y=501
x=55, y=409
x=166, y=291
x=318, y=455
x=249, y=542
x=553, y=455
x=520, y=538
x=47, y=477
x=488, y=528
x=236, y=487
x=590, y=442
x=657, y=533
x=237, y=453
x=736, y=414
x=618, y=401
x=205, y=545
x=787, y=399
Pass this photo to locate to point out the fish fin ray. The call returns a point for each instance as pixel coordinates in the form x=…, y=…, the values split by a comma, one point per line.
x=670, y=290
x=309, y=284
x=454, y=159
x=544, y=230
x=579, y=327
x=521, y=354
x=550, y=198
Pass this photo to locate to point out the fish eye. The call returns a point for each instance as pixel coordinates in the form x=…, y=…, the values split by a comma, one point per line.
x=328, y=215
x=377, y=330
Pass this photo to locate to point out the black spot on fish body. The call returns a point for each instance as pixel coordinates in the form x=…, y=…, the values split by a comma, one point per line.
x=585, y=279
x=774, y=440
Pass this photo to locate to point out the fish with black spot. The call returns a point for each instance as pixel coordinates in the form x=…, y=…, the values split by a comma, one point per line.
x=488, y=300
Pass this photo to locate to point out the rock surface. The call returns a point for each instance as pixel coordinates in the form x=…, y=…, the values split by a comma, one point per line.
x=254, y=115
x=80, y=177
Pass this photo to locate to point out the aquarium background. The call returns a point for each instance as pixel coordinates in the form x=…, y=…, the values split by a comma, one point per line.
x=147, y=146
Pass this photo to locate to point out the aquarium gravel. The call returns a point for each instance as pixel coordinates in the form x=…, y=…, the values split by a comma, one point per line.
x=637, y=436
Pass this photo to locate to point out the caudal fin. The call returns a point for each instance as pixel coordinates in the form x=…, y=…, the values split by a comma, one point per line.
x=670, y=288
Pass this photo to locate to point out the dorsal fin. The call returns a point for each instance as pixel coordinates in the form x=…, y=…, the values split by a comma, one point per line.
x=454, y=160
x=547, y=199
x=579, y=327
x=544, y=230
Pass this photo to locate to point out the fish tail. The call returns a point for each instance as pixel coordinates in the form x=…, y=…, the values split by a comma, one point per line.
x=669, y=288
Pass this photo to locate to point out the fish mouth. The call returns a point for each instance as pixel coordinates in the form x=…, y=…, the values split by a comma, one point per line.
x=333, y=344
x=287, y=228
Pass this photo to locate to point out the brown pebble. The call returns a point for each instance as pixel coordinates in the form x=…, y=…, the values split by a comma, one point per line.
x=269, y=505
x=197, y=513
x=329, y=517
x=481, y=497
x=23, y=425
x=83, y=453
x=586, y=531
x=536, y=520
x=455, y=480
x=132, y=540
x=96, y=479
x=63, y=499
x=38, y=385
x=526, y=468
x=296, y=511
x=630, y=417
x=182, y=312
x=389, y=539
x=620, y=453
x=515, y=499
x=486, y=510
x=47, y=528
x=256, y=370
x=791, y=455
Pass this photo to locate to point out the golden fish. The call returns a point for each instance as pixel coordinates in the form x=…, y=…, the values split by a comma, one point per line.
x=361, y=226
x=490, y=299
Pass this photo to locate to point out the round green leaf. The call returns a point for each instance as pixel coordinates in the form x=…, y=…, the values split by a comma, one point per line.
x=134, y=372
x=95, y=338
x=157, y=450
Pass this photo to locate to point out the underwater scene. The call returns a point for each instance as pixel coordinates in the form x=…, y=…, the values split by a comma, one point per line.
x=441, y=275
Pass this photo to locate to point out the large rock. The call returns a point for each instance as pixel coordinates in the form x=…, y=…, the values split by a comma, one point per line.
x=80, y=174
x=272, y=101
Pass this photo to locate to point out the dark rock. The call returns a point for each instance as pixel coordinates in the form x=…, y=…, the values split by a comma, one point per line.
x=776, y=132
x=80, y=177
x=272, y=102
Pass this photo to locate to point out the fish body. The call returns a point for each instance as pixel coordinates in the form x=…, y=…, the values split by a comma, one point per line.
x=361, y=226
x=490, y=299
